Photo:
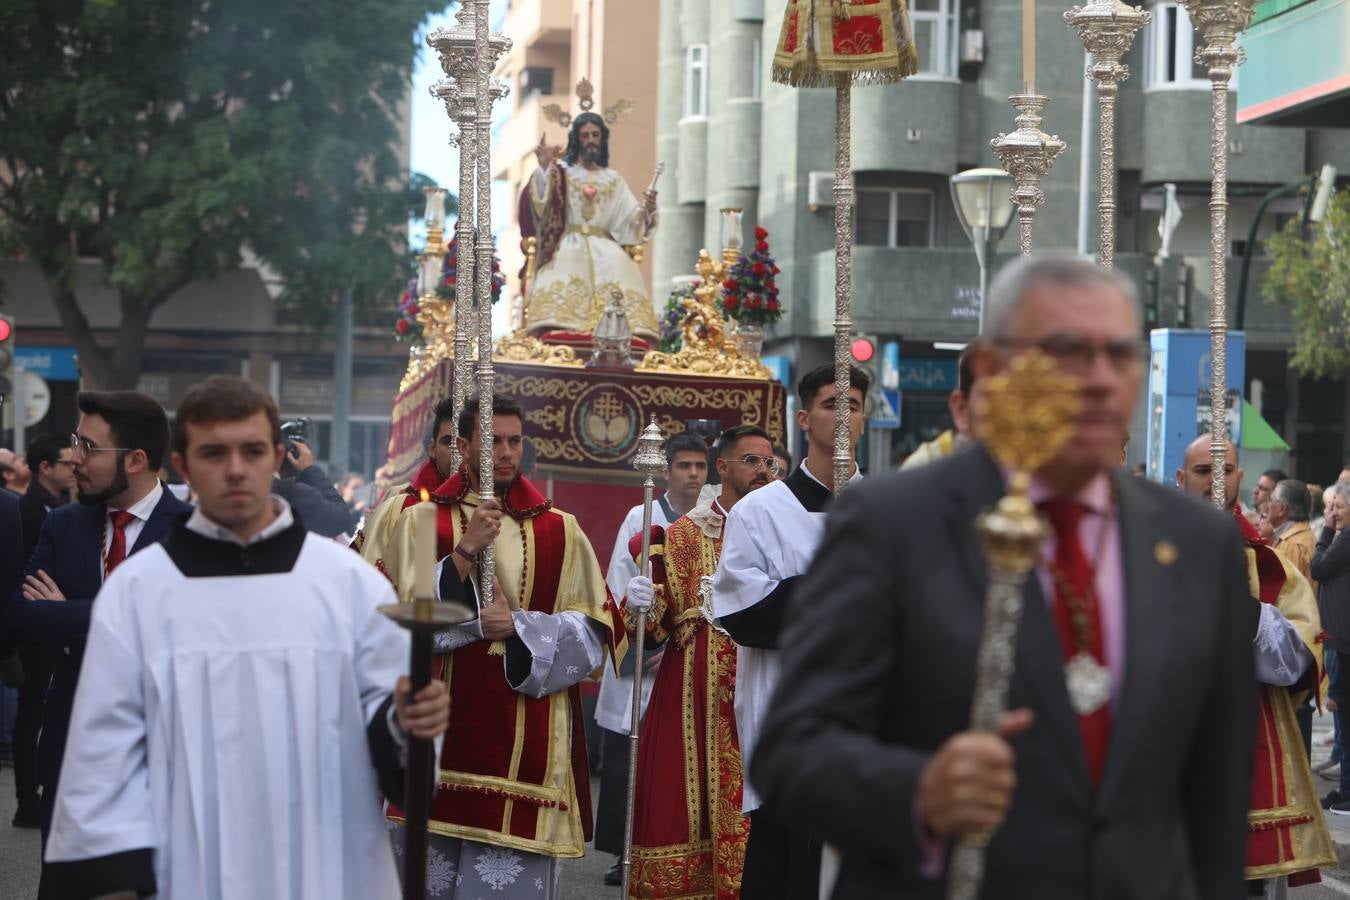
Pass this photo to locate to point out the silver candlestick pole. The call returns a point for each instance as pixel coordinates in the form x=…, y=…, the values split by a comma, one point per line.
x=1219, y=22
x=843, y=284
x=1027, y=154
x=487, y=48
x=1107, y=28
x=650, y=461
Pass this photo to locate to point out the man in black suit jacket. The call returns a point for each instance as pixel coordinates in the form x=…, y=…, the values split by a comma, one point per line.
x=866, y=743
x=121, y=441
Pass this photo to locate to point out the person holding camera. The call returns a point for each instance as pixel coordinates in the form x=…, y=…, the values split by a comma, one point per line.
x=306, y=487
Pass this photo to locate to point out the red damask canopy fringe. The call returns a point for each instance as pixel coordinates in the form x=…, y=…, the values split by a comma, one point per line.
x=829, y=43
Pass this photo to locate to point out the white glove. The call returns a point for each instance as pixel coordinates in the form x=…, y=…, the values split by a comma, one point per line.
x=641, y=593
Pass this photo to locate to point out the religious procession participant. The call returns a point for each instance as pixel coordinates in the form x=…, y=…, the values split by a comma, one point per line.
x=770, y=540
x=374, y=536
x=1121, y=768
x=1287, y=835
x=961, y=406
x=513, y=795
x=686, y=472
x=583, y=213
x=689, y=831
x=240, y=708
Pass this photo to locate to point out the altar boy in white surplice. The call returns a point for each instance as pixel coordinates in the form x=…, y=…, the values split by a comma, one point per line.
x=582, y=214
x=240, y=710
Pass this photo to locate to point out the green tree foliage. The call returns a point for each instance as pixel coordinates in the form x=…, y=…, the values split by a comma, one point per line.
x=1312, y=276
x=160, y=139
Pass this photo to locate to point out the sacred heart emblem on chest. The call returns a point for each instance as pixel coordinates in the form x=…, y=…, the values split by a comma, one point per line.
x=589, y=191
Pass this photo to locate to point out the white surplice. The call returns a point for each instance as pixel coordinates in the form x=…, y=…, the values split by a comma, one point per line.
x=222, y=723
x=769, y=536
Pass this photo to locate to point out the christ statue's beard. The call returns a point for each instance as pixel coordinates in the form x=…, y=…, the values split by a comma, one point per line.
x=591, y=153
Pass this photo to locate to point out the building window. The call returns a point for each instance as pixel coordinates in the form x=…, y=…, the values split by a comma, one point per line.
x=894, y=217
x=1170, y=42
x=535, y=80
x=696, y=80
x=935, y=36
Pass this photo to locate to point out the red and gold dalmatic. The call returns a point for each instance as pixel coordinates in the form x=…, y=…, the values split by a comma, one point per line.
x=688, y=831
x=1287, y=834
x=513, y=768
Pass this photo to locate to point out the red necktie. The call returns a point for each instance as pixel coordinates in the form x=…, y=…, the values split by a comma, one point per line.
x=117, y=550
x=1074, y=576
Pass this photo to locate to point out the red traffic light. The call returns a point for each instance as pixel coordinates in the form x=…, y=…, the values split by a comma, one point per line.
x=863, y=350
x=6, y=330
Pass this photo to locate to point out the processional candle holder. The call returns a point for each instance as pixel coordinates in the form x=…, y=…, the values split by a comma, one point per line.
x=1219, y=22
x=1025, y=416
x=1027, y=154
x=458, y=51
x=1107, y=28
x=650, y=461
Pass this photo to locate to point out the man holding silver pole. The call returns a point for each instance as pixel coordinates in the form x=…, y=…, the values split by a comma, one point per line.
x=513, y=796
x=1122, y=770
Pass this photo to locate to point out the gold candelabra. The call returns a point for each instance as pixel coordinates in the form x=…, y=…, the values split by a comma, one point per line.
x=1219, y=22
x=1107, y=28
x=1027, y=154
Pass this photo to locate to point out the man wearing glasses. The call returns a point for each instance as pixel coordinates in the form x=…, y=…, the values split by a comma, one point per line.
x=689, y=832
x=53, y=483
x=1122, y=767
x=686, y=472
x=769, y=541
x=117, y=449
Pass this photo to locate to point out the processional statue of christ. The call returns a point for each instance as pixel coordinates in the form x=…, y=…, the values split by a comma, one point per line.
x=583, y=216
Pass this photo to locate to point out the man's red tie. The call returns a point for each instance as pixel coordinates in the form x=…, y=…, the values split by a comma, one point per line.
x=1075, y=574
x=117, y=550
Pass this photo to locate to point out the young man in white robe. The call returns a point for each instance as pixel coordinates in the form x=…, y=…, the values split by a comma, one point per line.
x=240, y=710
x=769, y=541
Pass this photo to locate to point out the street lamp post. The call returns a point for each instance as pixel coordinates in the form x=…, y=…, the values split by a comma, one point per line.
x=985, y=211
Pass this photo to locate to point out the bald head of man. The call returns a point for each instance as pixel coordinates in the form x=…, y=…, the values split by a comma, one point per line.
x=1196, y=475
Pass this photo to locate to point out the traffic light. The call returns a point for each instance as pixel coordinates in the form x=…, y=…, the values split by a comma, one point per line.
x=6, y=357
x=865, y=350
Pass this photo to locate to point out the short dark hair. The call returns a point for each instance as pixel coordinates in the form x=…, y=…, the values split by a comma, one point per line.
x=1294, y=495
x=965, y=370
x=817, y=378
x=729, y=437
x=779, y=450
x=685, y=441
x=45, y=448
x=223, y=398
x=444, y=412
x=501, y=406
x=137, y=420
x=1275, y=475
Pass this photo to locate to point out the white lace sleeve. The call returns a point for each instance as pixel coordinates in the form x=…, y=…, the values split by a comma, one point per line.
x=1281, y=656
x=564, y=648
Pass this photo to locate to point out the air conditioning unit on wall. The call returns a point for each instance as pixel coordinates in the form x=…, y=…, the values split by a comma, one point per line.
x=819, y=190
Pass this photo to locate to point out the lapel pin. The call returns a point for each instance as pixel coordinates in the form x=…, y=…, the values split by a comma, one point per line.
x=1165, y=552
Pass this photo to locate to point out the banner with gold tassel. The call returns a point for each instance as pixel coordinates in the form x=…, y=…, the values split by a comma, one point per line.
x=860, y=41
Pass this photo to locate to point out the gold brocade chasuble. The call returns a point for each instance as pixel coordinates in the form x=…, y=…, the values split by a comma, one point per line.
x=1286, y=831
x=513, y=769
x=689, y=832
x=858, y=41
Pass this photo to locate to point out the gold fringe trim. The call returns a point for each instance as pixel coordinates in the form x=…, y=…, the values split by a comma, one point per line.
x=807, y=73
x=498, y=648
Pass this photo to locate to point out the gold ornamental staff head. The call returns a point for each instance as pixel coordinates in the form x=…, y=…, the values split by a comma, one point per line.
x=1051, y=318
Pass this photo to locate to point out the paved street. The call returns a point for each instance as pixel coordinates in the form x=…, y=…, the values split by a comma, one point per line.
x=582, y=877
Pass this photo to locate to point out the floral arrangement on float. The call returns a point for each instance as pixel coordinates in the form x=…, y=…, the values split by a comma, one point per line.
x=749, y=293
x=672, y=320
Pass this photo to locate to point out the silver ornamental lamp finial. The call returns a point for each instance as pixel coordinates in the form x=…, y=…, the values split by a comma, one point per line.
x=649, y=460
x=1027, y=154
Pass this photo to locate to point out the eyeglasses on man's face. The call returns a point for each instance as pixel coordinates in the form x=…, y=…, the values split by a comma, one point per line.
x=82, y=447
x=1075, y=355
x=770, y=463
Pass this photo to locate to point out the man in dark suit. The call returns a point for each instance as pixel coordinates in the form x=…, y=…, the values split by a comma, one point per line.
x=1136, y=792
x=119, y=447
x=53, y=480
